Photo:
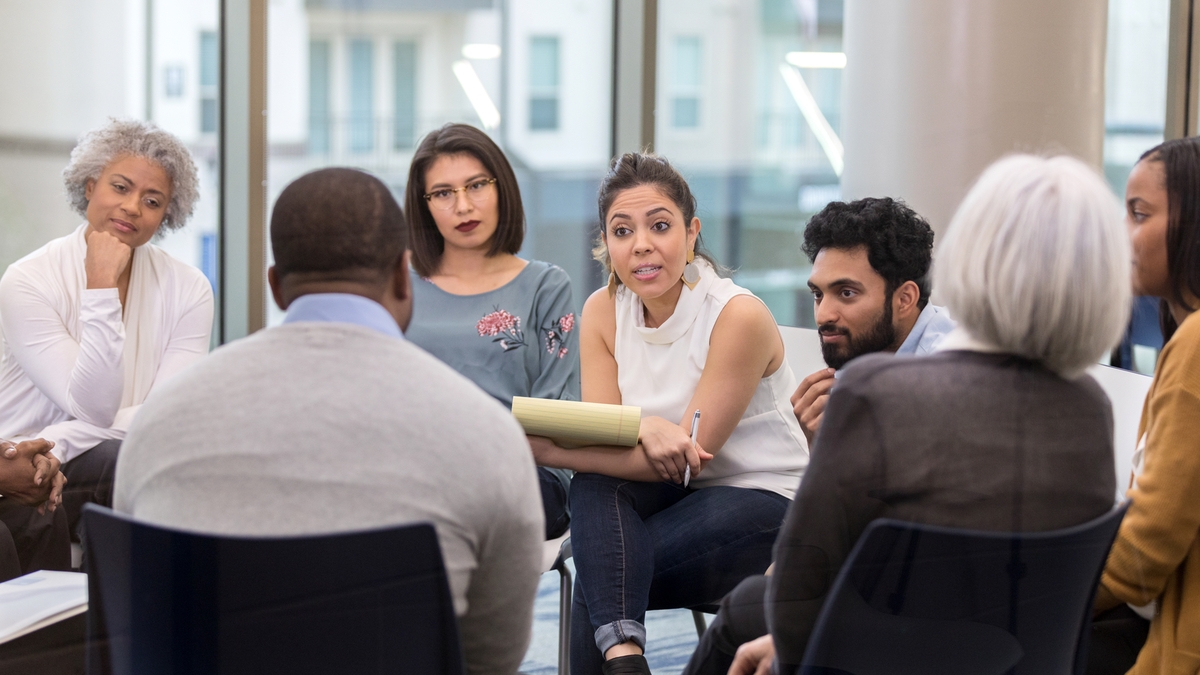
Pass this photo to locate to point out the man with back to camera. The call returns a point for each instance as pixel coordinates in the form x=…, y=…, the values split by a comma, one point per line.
x=870, y=265
x=334, y=422
x=870, y=287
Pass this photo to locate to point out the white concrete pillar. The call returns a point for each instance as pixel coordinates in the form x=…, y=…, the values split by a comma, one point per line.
x=935, y=90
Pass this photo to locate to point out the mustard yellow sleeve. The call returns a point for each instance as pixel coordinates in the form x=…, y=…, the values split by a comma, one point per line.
x=1162, y=523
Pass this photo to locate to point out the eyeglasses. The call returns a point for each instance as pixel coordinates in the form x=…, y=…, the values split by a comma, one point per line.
x=476, y=191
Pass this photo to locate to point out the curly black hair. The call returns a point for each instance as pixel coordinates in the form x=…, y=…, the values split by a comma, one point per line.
x=899, y=242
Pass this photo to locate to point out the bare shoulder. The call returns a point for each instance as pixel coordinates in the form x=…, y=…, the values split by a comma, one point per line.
x=746, y=317
x=600, y=312
x=746, y=332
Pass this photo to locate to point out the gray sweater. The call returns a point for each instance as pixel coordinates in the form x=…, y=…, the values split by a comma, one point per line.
x=323, y=427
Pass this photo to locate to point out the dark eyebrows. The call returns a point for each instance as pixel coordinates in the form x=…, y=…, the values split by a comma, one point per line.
x=625, y=216
x=846, y=282
x=128, y=180
x=472, y=179
x=836, y=284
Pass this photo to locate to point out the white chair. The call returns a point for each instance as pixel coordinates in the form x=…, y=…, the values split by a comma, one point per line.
x=1125, y=389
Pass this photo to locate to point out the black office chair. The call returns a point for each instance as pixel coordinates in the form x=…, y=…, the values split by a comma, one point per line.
x=172, y=603
x=924, y=600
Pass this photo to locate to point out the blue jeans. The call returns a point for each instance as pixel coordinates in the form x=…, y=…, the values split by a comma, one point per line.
x=641, y=546
x=554, y=488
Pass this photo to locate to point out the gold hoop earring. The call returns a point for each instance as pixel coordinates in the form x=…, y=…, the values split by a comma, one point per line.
x=691, y=271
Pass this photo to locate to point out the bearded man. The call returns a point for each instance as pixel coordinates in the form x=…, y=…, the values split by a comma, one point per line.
x=870, y=289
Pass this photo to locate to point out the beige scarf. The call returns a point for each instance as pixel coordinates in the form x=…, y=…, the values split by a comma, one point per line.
x=143, y=313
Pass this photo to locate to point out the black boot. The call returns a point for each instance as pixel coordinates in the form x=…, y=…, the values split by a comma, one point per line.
x=627, y=665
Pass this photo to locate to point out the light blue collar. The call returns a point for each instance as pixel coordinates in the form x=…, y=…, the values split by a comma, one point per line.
x=343, y=308
x=933, y=324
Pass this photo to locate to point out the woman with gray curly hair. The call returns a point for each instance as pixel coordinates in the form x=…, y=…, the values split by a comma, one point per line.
x=92, y=322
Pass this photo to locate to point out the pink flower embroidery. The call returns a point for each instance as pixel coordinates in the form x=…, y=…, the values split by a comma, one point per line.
x=506, y=326
x=556, y=334
x=497, y=322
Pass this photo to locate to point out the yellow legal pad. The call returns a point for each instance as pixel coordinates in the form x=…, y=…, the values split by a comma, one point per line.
x=573, y=424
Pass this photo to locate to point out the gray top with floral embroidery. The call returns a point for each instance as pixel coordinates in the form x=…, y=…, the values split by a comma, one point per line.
x=518, y=340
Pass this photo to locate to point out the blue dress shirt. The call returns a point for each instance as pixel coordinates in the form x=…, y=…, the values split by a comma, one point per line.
x=343, y=308
x=933, y=324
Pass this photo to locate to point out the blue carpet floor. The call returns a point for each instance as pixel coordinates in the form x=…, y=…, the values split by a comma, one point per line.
x=671, y=635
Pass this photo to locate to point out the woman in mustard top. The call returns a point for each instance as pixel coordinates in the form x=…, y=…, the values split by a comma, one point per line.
x=1154, y=567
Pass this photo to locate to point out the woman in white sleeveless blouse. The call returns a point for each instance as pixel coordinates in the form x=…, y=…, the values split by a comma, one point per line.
x=671, y=336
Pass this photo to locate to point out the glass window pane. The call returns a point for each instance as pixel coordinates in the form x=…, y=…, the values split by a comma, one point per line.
x=533, y=74
x=1135, y=89
x=404, y=75
x=543, y=83
x=543, y=62
x=757, y=170
x=209, y=76
x=362, y=83
x=318, y=97
x=209, y=115
x=685, y=112
x=209, y=59
x=687, y=62
x=1135, y=110
x=62, y=61
x=543, y=113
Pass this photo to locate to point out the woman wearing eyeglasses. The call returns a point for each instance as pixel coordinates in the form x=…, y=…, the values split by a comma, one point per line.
x=505, y=323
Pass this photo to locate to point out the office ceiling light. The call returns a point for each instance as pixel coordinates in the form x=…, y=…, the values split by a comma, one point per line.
x=476, y=94
x=816, y=59
x=826, y=136
x=480, y=52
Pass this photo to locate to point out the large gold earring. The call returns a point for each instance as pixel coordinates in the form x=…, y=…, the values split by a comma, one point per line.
x=612, y=284
x=691, y=271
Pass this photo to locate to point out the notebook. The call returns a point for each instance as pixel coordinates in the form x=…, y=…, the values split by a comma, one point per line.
x=39, y=599
x=574, y=424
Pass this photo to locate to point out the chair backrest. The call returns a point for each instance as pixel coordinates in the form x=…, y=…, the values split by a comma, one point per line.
x=1127, y=390
x=928, y=600
x=170, y=602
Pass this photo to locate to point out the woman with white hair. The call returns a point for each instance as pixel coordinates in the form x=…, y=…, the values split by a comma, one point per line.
x=1000, y=429
x=90, y=323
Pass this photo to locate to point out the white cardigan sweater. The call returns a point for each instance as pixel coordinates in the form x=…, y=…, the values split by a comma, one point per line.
x=72, y=370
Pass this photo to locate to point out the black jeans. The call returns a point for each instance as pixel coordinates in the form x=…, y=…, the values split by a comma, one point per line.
x=641, y=546
x=31, y=541
x=89, y=479
x=554, y=504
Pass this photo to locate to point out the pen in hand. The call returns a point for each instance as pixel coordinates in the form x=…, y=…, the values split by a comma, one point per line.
x=687, y=470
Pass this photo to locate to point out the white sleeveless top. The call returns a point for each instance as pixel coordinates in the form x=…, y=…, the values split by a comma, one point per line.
x=659, y=369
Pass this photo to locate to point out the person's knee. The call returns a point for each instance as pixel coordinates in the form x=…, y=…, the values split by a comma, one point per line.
x=586, y=487
x=742, y=614
x=555, y=507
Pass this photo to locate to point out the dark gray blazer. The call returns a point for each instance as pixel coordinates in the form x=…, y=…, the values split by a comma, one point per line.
x=960, y=439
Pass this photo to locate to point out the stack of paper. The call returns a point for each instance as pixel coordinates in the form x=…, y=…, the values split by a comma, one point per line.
x=39, y=599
